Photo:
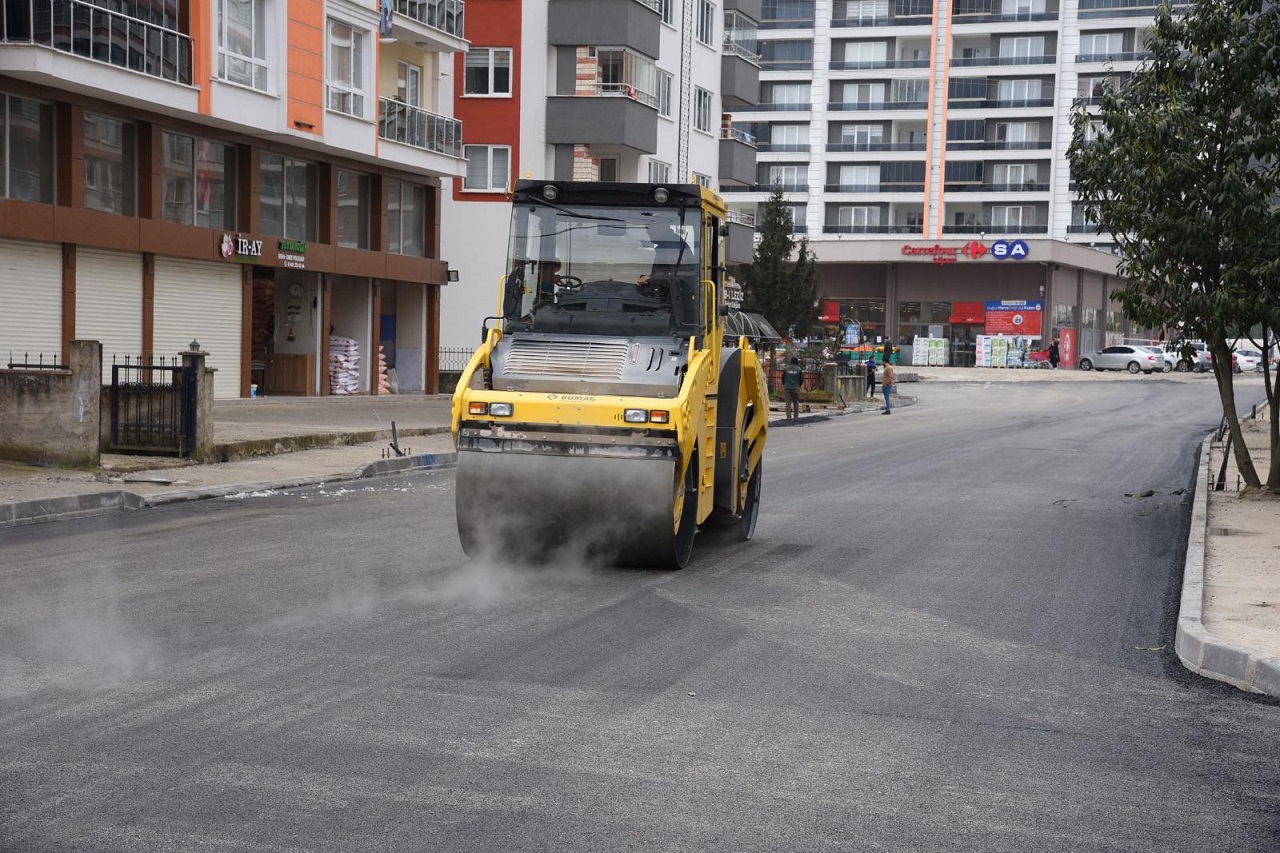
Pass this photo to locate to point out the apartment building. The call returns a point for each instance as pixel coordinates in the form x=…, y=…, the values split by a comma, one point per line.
x=251, y=175
x=591, y=90
x=921, y=147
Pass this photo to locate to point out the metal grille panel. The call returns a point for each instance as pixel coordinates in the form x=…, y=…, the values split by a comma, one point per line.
x=582, y=359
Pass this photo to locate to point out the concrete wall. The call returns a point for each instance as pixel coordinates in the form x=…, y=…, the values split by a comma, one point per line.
x=53, y=415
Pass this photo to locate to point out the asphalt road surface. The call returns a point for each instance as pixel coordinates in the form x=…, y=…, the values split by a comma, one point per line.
x=953, y=631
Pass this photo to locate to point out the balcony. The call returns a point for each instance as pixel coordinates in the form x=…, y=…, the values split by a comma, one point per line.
x=975, y=61
x=399, y=122
x=604, y=117
x=861, y=106
x=737, y=157
x=998, y=103
x=440, y=23
x=100, y=35
x=782, y=147
x=739, y=77
x=787, y=24
x=617, y=23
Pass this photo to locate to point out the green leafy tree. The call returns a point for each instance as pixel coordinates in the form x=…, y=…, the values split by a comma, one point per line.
x=1180, y=165
x=783, y=290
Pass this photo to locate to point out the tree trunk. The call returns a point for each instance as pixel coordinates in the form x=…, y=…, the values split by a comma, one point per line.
x=1227, y=393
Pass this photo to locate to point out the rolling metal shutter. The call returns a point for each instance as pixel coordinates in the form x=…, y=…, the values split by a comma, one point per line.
x=197, y=300
x=109, y=303
x=31, y=307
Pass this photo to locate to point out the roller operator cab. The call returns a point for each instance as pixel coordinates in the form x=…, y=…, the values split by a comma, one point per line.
x=605, y=415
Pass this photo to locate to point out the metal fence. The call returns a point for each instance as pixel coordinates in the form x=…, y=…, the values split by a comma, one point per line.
x=153, y=407
x=35, y=361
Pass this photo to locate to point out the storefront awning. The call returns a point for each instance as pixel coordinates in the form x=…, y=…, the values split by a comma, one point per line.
x=968, y=312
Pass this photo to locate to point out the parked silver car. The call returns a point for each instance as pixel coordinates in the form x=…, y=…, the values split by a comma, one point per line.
x=1170, y=360
x=1123, y=357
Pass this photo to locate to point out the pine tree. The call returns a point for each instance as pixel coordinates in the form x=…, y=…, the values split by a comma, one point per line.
x=784, y=291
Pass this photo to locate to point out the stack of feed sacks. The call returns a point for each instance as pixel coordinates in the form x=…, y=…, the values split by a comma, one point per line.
x=384, y=386
x=344, y=365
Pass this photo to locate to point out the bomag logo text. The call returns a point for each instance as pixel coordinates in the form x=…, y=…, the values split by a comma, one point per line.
x=577, y=398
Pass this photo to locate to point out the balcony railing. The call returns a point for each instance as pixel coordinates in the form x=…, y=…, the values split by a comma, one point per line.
x=98, y=34
x=782, y=147
x=867, y=64
x=738, y=135
x=786, y=65
x=787, y=24
x=596, y=89
x=1120, y=56
x=782, y=108
x=998, y=103
x=1093, y=9
x=998, y=145
x=970, y=187
x=887, y=21
x=833, y=147
x=872, y=229
x=1004, y=18
x=972, y=61
x=767, y=188
x=858, y=106
x=1083, y=228
x=739, y=218
x=444, y=15
x=399, y=122
x=875, y=188
x=991, y=228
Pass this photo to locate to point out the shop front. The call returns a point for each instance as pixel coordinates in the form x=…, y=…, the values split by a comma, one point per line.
x=950, y=299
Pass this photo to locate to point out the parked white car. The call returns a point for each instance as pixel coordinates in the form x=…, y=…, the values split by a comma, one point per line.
x=1244, y=359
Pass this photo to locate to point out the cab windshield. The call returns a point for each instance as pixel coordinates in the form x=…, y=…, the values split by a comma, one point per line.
x=603, y=270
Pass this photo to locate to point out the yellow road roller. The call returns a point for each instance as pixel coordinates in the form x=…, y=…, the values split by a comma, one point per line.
x=605, y=414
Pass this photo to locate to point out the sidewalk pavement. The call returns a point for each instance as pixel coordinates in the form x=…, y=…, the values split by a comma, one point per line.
x=1229, y=619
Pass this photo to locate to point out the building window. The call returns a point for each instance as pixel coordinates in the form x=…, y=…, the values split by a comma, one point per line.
x=409, y=84
x=242, y=42
x=353, y=209
x=665, y=80
x=608, y=170
x=702, y=180
x=289, y=201
x=706, y=24
x=664, y=9
x=1013, y=216
x=26, y=149
x=198, y=182
x=406, y=218
x=858, y=218
x=110, y=165
x=488, y=167
x=487, y=71
x=701, y=109
x=659, y=172
x=346, y=75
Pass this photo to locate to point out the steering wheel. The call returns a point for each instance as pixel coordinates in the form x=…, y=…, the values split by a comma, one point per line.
x=569, y=282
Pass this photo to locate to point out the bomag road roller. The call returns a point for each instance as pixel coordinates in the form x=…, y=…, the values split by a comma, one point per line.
x=605, y=412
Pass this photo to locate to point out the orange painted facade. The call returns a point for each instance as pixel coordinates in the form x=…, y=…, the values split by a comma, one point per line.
x=306, y=66
x=201, y=27
x=491, y=120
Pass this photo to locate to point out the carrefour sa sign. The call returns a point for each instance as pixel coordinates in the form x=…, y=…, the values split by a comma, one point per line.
x=1010, y=250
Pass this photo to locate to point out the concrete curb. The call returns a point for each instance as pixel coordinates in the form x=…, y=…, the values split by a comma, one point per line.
x=101, y=503
x=1200, y=651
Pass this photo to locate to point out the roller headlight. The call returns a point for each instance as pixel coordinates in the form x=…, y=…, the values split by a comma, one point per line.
x=635, y=416
x=500, y=410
